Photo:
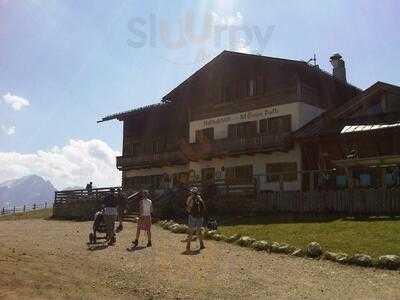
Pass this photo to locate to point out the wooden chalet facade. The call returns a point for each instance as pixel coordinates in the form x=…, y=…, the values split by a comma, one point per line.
x=232, y=120
x=356, y=145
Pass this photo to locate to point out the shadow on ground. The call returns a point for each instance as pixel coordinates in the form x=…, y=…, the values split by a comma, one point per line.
x=191, y=252
x=96, y=247
x=133, y=249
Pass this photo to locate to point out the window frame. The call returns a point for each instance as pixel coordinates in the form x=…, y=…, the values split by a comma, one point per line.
x=281, y=169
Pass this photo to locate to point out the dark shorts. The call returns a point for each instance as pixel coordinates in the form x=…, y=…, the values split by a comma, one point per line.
x=195, y=223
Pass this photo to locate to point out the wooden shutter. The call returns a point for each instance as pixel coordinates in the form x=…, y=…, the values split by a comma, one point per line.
x=242, y=88
x=260, y=85
x=232, y=132
x=264, y=126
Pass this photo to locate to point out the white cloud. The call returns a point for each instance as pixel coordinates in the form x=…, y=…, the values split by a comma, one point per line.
x=221, y=20
x=242, y=46
x=8, y=130
x=17, y=103
x=75, y=164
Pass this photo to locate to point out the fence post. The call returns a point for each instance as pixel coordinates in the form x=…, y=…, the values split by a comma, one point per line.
x=14, y=210
x=2, y=211
x=280, y=182
x=24, y=208
x=45, y=205
x=312, y=181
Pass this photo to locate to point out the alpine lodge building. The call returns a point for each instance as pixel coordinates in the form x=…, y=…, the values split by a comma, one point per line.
x=280, y=124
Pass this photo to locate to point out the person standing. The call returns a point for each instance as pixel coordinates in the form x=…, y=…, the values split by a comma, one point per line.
x=196, y=209
x=144, y=222
x=110, y=215
x=89, y=188
x=122, y=201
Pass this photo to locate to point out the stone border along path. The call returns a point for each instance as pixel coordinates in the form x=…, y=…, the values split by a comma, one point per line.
x=313, y=250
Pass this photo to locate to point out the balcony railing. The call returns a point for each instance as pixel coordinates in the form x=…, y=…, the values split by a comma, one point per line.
x=245, y=145
x=150, y=160
x=206, y=150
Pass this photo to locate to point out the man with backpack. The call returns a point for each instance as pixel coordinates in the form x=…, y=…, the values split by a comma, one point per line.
x=196, y=209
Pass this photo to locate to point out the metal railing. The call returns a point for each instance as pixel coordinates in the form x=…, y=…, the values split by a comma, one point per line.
x=25, y=208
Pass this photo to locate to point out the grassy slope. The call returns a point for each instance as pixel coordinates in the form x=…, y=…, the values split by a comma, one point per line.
x=34, y=214
x=371, y=236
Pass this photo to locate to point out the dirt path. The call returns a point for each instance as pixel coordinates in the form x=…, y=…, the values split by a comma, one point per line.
x=50, y=259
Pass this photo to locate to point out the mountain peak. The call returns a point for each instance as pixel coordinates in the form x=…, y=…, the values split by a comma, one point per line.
x=26, y=190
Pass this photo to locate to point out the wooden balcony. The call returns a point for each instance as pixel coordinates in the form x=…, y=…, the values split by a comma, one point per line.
x=154, y=160
x=238, y=146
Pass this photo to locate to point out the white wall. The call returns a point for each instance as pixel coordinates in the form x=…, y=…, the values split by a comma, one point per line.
x=307, y=113
x=258, y=161
x=301, y=114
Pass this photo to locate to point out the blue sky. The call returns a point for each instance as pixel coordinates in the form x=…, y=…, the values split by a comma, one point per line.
x=74, y=61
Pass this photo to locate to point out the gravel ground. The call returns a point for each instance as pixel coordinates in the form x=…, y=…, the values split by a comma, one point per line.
x=50, y=259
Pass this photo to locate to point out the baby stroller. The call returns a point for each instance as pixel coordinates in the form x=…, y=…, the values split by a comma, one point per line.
x=212, y=224
x=99, y=226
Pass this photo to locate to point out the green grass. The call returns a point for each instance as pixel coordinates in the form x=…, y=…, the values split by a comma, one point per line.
x=34, y=214
x=373, y=236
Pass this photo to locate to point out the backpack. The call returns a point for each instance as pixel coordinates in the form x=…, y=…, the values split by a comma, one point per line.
x=198, y=208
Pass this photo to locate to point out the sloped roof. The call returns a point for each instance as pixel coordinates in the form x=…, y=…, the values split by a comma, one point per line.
x=299, y=63
x=333, y=121
x=302, y=66
x=120, y=115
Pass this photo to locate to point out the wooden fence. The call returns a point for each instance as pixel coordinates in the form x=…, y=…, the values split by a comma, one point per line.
x=244, y=198
x=25, y=208
x=355, y=202
x=79, y=204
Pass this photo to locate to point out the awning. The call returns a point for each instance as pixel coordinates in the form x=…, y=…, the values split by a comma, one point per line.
x=358, y=128
x=378, y=161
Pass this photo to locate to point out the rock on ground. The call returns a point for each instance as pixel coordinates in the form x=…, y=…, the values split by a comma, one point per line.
x=361, y=260
x=314, y=249
x=389, y=262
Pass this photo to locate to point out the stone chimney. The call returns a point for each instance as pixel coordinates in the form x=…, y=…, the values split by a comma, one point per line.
x=339, y=68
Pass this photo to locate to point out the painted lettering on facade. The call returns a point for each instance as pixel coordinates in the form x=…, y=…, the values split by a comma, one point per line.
x=242, y=117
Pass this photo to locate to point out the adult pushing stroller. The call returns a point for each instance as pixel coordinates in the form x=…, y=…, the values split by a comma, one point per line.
x=99, y=226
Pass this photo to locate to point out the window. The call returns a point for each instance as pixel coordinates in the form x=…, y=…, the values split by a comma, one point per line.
x=204, y=135
x=208, y=175
x=276, y=125
x=244, y=129
x=251, y=88
x=158, y=145
x=288, y=171
x=260, y=85
x=239, y=174
x=132, y=148
x=242, y=89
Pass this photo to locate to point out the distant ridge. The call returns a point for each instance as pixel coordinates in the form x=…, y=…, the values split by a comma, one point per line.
x=26, y=190
x=70, y=188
